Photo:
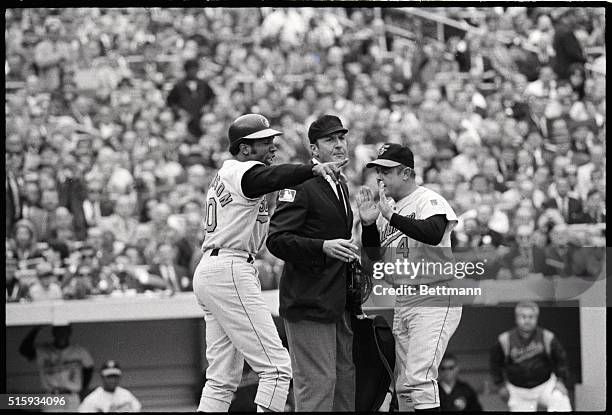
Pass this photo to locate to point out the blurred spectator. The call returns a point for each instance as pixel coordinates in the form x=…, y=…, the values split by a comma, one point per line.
x=568, y=49
x=595, y=207
x=529, y=365
x=122, y=223
x=570, y=208
x=190, y=97
x=176, y=277
x=52, y=55
x=47, y=287
x=525, y=246
x=25, y=249
x=15, y=290
x=64, y=368
x=14, y=161
x=455, y=394
x=110, y=397
x=558, y=254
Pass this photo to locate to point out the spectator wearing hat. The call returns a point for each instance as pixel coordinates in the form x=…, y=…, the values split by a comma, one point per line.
x=110, y=397
x=190, y=96
x=46, y=288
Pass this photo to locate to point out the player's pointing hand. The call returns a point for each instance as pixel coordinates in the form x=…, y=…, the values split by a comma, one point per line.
x=331, y=169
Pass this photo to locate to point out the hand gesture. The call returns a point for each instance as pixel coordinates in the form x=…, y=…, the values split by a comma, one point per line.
x=331, y=169
x=368, y=211
x=383, y=204
x=342, y=249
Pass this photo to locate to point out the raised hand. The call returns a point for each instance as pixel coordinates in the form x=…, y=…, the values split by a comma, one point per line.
x=331, y=169
x=368, y=211
x=383, y=204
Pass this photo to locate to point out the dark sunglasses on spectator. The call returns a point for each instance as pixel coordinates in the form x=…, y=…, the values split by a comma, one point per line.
x=451, y=367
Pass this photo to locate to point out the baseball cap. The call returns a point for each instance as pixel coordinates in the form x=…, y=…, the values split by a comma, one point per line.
x=110, y=368
x=324, y=126
x=393, y=155
x=251, y=127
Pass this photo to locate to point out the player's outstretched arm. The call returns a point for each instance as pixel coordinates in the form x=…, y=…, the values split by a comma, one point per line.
x=260, y=179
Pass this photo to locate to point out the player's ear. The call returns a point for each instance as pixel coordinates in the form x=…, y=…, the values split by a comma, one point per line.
x=245, y=149
x=314, y=150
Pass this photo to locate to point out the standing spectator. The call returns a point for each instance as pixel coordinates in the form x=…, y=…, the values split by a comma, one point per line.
x=190, y=96
x=595, y=207
x=64, y=368
x=529, y=365
x=567, y=47
x=47, y=287
x=455, y=394
x=52, y=55
x=110, y=397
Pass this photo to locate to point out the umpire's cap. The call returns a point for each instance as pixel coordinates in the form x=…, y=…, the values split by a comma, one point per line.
x=324, y=126
x=393, y=155
x=250, y=127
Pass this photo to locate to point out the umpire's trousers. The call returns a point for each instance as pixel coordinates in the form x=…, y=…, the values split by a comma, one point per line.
x=322, y=361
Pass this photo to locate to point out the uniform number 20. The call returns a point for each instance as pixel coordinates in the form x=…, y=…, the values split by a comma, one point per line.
x=211, y=215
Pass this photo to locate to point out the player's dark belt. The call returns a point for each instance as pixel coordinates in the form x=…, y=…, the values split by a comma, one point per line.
x=215, y=252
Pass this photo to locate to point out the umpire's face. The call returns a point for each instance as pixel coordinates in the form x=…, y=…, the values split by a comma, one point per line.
x=333, y=147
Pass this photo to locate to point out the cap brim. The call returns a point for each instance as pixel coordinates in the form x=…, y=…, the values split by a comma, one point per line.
x=336, y=129
x=383, y=163
x=268, y=132
x=111, y=372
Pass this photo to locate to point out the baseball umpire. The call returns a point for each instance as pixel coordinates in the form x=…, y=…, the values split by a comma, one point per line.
x=239, y=325
x=416, y=229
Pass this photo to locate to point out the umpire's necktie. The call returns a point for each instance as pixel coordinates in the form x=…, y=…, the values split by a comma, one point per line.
x=342, y=198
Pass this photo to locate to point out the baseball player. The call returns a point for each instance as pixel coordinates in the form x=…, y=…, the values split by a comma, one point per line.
x=110, y=397
x=239, y=325
x=416, y=229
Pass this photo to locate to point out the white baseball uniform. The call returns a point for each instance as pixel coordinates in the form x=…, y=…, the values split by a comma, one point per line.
x=239, y=325
x=422, y=325
x=120, y=400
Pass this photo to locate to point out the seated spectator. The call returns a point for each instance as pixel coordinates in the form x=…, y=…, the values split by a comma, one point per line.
x=570, y=208
x=455, y=394
x=25, y=249
x=110, y=397
x=15, y=290
x=47, y=287
x=122, y=223
x=558, y=255
x=594, y=207
x=177, y=278
x=79, y=285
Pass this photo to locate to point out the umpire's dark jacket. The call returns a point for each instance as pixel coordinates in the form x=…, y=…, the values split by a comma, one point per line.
x=313, y=285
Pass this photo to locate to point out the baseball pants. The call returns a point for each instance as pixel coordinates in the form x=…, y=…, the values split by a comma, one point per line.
x=239, y=327
x=527, y=399
x=422, y=329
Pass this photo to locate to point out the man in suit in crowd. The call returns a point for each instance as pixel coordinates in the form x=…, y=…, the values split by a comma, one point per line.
x=569, y=207
x=177, y=277
x=311, y=232
x=190, y=95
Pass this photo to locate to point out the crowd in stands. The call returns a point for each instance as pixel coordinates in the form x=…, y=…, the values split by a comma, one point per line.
x=116, y=121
